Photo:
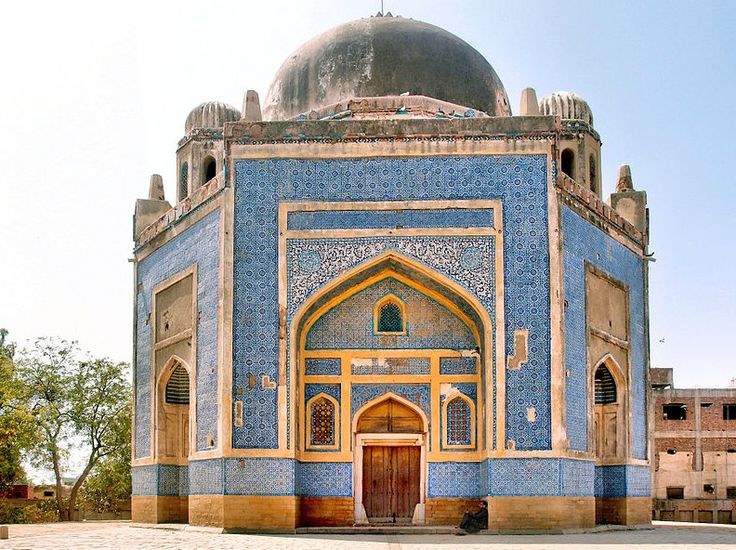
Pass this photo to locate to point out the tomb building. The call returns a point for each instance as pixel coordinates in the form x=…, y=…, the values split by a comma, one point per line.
x=381, y=296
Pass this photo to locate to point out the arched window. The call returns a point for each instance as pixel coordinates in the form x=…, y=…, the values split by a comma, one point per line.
x=605, y=386
x=593, y=174
x=322, y=425
x=567, y=159
x=177, y=388
x=389, y=316
x=458, y=422
x=458, y=419
x=184, y=181
x=210, y=169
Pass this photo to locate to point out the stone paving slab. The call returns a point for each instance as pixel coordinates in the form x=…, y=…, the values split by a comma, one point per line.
x=123, y=535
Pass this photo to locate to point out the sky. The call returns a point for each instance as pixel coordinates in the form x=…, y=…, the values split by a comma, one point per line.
x=94, y=97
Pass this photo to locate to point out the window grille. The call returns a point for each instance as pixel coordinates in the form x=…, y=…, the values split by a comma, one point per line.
x=177, y=388
x=323, y=422
x=605, y=386
x=184, y=181
x=390, y=318
x=729, y=411
x=458, y=422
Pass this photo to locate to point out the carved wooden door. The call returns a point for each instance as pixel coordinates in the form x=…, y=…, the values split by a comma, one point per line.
x=391, y=483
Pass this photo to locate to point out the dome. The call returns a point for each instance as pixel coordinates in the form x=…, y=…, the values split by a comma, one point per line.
x=384, y=56
x=212, y=114
x=566, y=105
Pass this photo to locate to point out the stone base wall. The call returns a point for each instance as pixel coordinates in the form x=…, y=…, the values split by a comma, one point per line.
x=326, y=511
x=448, y=511
x=540, y=513
x=623, y=511
x=157, y=509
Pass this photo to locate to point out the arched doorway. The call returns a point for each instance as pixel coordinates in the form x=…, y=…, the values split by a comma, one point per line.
x=609, y=398
x=390, y=459
x=174, y=434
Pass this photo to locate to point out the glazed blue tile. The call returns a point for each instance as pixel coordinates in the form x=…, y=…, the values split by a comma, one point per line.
x=390, y=219
x=583, y=242
x=199, y=245
x=325, y=479
x=260, y=476
x=520, y=181
x=454, y=480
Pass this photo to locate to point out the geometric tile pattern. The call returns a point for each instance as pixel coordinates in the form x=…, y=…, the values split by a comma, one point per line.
x=519, y=181
x=349, y=325
x=160, y=479
x=310, y=390
x=205, y=477
x=467, y=260
x=259, y=476
x=325, y=479
x=454, y=479
x=583, y=242
x=458, y=365
x=416, y=393
x=390, y=219
x=322, y=367
x=199, y=245
x=145, y=480
x=390, y=365
x=622, y=481
x=539, y=477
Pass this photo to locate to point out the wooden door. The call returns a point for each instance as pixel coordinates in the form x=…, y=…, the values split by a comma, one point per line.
x=391, y=483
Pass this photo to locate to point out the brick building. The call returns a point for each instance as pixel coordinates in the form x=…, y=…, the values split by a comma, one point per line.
x=694, y=452
x=386, y=297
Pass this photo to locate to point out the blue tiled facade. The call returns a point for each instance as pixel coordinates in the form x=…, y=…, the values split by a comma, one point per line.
x=518, y=181
x=623, y=481
x=322, y=367
x=585, y=243
x=198, y=245
x=160, y=479
x=350, y=325
x=391, y=219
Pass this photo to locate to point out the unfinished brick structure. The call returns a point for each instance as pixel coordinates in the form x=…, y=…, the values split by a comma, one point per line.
x=694, y=452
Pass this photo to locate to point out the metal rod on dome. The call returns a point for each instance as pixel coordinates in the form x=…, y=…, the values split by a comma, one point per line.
x=381, y=7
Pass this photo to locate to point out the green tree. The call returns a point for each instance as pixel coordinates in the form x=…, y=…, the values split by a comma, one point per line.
x=16, y=427
x=74, y=402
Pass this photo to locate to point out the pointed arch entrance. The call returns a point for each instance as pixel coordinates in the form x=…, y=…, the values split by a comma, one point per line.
x=386, y=373
x=174, y=428
x=390, y=463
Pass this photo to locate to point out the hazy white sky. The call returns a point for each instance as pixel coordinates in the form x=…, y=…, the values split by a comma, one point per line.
x=94, y=96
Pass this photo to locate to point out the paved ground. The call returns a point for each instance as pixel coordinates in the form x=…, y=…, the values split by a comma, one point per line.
x=103, y=536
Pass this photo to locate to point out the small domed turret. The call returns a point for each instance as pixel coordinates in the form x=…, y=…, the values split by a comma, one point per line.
x=567, y=105
x=211, y=114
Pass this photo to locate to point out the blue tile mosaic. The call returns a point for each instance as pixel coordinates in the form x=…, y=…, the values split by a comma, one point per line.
x=416, y=393
x=623, y=481
x=539, y=477
x=391, y=365
x=206, y=477
x=577, y=478
x=325, y=479
x=198, y=245
x=145, y=480
x=518, y=180
x=390, y=219
x=260, y=476
x=168, y=480
x=458, y=365
x=310, y=390
x=322, y=367
x=454, y=480
x=160, y=479
x=583, y=242
x=350, y=324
